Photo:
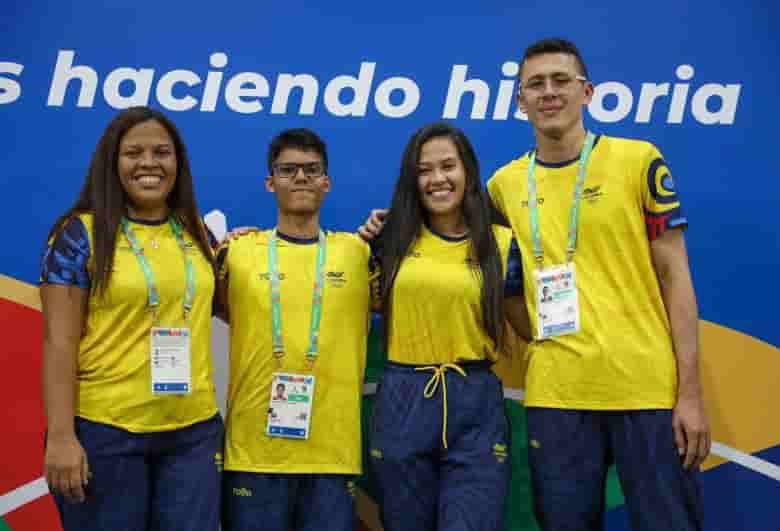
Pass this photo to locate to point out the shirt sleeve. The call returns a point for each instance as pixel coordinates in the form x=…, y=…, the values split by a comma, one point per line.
x=661, y=204
x=66, y=255
x=513, y=283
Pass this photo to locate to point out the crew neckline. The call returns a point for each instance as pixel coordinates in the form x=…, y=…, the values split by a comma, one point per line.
x=565, y=163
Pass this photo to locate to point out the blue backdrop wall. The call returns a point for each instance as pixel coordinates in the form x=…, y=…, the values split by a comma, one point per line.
x=697, y=78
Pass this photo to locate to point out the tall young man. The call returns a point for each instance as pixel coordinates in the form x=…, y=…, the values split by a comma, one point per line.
x=613, y=371
x=297, y=298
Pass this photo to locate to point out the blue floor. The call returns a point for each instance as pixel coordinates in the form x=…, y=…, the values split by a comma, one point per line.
x=735, y=499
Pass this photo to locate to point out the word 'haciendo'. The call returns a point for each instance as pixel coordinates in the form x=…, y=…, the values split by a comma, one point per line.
x=350, y=95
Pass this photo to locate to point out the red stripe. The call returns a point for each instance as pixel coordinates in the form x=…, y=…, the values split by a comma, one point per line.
x=36, y=516
x=21, y=420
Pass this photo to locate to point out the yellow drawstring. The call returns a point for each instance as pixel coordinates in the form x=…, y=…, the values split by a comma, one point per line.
x=433, y=384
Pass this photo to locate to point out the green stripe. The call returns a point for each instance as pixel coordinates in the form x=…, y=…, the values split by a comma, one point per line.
x=375, y=358
x=519, y=516
x=519, y=511
x=4, y=526
x=614, y=492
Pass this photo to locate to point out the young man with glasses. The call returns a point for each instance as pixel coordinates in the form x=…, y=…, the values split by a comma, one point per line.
x=297, y=299
x=613, y=373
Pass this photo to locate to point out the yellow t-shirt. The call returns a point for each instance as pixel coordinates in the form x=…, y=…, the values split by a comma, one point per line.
x=334, y=444
x=437, y=312
x=623, y=357
x=114, y=371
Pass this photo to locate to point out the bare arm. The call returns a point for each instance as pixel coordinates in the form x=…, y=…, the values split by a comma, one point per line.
x=516, y=313
x=64, y=314
x=670, y=259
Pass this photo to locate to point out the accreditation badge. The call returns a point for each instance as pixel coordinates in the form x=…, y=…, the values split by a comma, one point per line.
x=290, y=408
x=558, y=309
x=171, y=361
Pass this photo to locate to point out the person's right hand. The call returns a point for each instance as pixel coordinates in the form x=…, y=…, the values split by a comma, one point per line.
x=67, y=470
x=373, y=225
x=239, y=231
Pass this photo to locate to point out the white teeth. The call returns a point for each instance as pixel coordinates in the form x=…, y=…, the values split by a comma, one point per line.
x=440, y=193
x=149, y=180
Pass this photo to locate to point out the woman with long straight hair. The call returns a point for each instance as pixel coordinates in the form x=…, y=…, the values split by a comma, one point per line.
x=450, y=278
x=133, y=434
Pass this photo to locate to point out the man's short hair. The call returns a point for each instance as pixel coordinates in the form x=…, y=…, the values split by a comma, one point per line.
x=301, y=139
x=555, y=45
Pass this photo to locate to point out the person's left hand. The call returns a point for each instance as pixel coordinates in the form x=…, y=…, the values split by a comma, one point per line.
x=691, y=430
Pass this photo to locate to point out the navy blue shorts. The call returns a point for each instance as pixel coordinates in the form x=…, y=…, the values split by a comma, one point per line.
x=165, y=481
x=287, y=502
x=422, y=485
x=569, y=452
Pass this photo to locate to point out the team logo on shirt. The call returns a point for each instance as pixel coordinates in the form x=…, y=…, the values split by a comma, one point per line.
x=660, y=183
x=335, y=278
x=267, y=276
x=592, y=194
x=539, y=201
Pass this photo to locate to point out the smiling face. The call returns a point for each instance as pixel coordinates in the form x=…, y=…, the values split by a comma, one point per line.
x=441, y=178
x=552, y=93
x=147, y=168
x=299, y=181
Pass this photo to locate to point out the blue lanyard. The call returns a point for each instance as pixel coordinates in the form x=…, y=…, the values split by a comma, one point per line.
x=574, y=217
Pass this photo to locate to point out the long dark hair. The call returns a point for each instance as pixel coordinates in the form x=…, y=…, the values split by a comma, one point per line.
x=407, y=215
x=102, y=194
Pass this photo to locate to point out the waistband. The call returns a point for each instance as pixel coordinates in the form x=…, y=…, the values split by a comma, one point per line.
x=436, y=373
x=471, y=365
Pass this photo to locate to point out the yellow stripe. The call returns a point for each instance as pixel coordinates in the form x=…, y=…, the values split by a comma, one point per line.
x=19, y=292
x=367, y=510
x=739, y=376
x=433, y=384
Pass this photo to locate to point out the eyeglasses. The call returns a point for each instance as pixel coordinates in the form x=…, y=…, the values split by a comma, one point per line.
x=288, y=170
x=558, y=82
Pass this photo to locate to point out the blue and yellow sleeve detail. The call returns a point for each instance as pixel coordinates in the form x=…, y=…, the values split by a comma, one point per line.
x=66, y=256
x=662, y=206
x=513, y=283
